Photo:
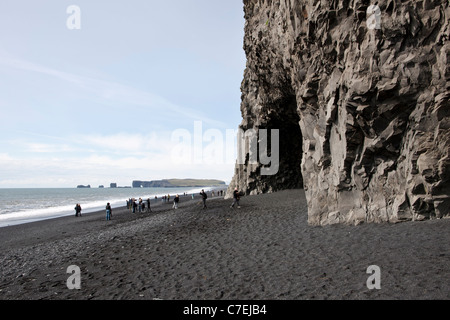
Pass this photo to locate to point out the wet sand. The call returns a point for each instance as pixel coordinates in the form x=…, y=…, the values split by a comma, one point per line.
x=263, y=251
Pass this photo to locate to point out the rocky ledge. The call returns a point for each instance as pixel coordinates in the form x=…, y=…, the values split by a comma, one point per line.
x=360, y=95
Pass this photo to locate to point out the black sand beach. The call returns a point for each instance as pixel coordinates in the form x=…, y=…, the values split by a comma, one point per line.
x=264, y=250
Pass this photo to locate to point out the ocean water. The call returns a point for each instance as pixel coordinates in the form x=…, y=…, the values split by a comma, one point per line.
x=19, y=206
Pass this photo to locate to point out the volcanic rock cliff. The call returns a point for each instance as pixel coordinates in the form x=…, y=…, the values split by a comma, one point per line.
x=360, y=94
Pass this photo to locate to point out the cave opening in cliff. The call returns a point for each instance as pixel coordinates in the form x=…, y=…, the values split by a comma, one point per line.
x=285, y=118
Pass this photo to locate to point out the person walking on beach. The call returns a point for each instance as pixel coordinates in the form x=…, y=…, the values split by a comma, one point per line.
x=148, y=205
x=108, y=212
x=175, y=202
x=77, y=210
x=236, y=197
x=204, y=197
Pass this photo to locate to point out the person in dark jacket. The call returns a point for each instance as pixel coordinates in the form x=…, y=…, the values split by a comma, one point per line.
x=175, y=202
x=108, y=211
x=204, y=197
x=77, y=210
x=236, y=198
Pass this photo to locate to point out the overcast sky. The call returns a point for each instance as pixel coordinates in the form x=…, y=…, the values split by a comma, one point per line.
x=103, y=98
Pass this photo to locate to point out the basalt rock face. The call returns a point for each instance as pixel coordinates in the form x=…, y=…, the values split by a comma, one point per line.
x=361, y=102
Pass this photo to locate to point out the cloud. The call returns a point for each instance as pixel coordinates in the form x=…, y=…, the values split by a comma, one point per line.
x=100, y=159
x=5, y=158
x=112, y=92
x=121, y=142
x=47, y=148
x=213, y=145
x=100, y=169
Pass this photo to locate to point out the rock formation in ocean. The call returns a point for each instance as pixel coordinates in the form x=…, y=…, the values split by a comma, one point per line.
x=360, y=93
x=177, y=183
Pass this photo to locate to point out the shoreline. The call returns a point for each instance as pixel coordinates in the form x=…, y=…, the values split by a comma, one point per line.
x=29, y=216
x=24, y=232
x=263, y=251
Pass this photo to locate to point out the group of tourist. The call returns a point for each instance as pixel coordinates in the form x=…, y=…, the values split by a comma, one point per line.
x=140, y=205
x=236, y=197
